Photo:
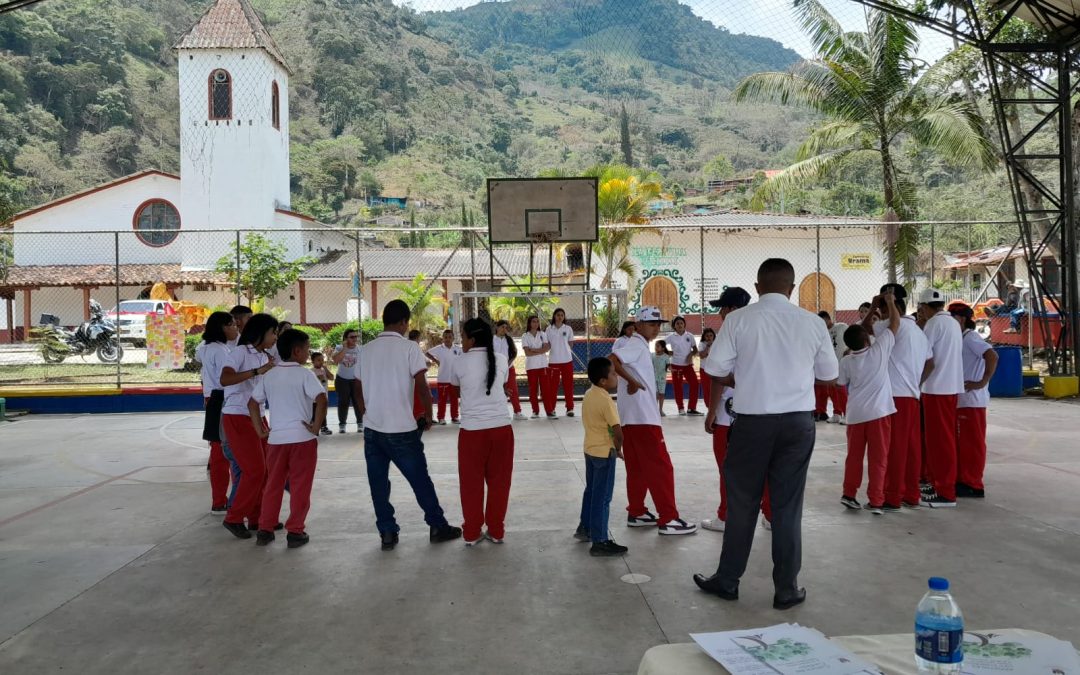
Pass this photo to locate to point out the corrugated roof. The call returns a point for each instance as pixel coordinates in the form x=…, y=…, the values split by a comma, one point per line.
x=406, y=263
x=231, y=24
x=988, y=256
x=30, y=276
x=737, y=219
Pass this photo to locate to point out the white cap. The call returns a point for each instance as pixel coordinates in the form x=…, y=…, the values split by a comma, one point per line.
x=931, y=295
x=1020, y=283
x=649, y=313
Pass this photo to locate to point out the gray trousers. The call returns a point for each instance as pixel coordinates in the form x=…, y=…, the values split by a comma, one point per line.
x=774, y=449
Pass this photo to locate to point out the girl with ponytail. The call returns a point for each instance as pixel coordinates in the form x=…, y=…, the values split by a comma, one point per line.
x=504, y=344
x=486, y=439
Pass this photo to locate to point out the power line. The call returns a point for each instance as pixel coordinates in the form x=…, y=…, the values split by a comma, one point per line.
x=12, y=5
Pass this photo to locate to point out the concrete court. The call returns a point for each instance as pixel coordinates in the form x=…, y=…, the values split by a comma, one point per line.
x=111, y=563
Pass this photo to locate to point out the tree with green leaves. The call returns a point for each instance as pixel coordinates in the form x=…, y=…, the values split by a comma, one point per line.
x=517, y=310
x=426, y=301
x=718, y=168
x=623, y=197
x=875, y=95
x=265, y=268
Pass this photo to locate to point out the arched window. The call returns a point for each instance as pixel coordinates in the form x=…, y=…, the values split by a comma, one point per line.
x=220, y=95
x=156, y=222
x=275, y=106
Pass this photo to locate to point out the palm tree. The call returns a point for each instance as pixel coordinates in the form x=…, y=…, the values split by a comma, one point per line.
x=421, y=297
x=623, y=198
x=516, y=310
x=875, y=95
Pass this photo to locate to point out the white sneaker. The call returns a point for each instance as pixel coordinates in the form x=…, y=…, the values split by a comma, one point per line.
x=682, y=413
x=835, y=419
x=678, y=526
x=474, y=542
x=535, y=416
x=492, y=539
x=519, y=416
x=843, y=420
x=766, y=524
x=713, y=524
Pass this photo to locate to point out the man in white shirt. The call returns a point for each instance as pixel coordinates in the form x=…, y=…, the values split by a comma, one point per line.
x=837, y=393
x=392, y=369
x=773, y=352
x=906, y=365
x=648, y=465
x=942, y=384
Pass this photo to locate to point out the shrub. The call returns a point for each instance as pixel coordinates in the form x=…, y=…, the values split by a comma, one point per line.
x=368, y=332
x=316, y=335
x=190, y=343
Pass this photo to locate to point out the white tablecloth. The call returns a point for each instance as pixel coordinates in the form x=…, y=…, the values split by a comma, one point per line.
x=892, y=653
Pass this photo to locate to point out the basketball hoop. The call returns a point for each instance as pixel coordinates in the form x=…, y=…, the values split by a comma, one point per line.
x=540, y=238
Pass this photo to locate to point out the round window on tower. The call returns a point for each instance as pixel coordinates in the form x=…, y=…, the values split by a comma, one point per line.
x=156, y=223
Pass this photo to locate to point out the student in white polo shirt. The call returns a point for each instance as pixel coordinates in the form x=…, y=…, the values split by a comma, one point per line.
x=865, y=372
x=561, y=360
x=486, y=438
x=535, y=343
x=774, y=351
x=942, y=384
x=392, y=369
x=504, y=344
x=980, y=363
x=444, y=356
x=648, y=465
x=297, y=403
x=683, y=348
x=906, y=365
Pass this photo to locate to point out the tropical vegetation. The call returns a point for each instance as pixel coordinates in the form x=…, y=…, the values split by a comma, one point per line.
x=424, y=297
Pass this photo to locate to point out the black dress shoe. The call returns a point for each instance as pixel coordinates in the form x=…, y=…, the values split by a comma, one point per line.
x=296, y=540
x=262, y=538
x=444, y=534
x=237, y=529
x=797, y=598
x=716, y=587
x=389, y=540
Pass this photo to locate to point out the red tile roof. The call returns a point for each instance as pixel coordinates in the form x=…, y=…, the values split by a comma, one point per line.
x=32, y=276
x=231, y=24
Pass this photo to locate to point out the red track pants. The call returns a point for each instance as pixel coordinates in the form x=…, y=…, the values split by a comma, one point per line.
x=540, y=389
x=823, y=393
x=448, y=392
x=719, y=448
x=512, y=390
x=565, y=373
x=940, y=413
x=293, y=463
x=678, y=374
x=706, y=388
x=905, y=453
x=869, y=439
x=219, y=476
x=971, y=448
x=485, y=457
x=648, y=469
x=249, y=451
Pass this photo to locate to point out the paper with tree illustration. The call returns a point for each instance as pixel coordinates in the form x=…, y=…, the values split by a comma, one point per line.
x=784, y=649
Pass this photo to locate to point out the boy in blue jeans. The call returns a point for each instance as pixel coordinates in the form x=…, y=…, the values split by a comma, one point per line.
x=603, y=443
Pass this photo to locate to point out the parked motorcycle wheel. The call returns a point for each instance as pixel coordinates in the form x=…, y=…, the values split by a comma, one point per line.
x=52, y=356
x=110, y=352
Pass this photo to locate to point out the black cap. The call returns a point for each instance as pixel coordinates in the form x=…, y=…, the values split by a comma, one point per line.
x=898, y=291
x=732, y=297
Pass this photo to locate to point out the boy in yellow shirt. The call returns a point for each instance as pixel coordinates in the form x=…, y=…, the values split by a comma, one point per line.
x=603, y=443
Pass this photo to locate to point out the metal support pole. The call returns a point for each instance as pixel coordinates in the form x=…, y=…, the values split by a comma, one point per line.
x=238, y=267
x=1071, y=291
x=933, y=253
x=359, y=288
x=969, y=261
x=701, y=252
x=472, y=257
x=116, y=272
x=817, y=276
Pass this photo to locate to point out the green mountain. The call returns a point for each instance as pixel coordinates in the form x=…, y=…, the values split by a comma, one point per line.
x=385, y=100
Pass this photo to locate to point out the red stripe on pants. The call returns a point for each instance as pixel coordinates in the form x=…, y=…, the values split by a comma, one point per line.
x=540, y=388
x=512, y=389
x=564, y=372
x=971, y=451
x=219, y=475
x=940, y=413
x=678, y=374
x=719, y=448
x=447, y=392
x=648, y=469
x=706, y=388
x=905, y=453
x=485, y=457
x=872, y=440
x=249, y=451
x=294, y=463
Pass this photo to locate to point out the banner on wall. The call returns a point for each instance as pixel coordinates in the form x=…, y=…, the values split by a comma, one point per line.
x=855, y=261
x=165, y=341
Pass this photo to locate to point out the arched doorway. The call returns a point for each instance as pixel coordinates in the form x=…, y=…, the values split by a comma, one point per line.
x=817, y=292
x=661, y=292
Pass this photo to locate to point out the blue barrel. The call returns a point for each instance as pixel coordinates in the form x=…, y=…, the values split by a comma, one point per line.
x=1008, y=379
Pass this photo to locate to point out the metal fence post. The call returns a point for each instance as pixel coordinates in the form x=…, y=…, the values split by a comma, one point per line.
x=701, y=280
x=933, y=253
x=360, y=289
x=817, y=270
x=238, y=267
x=116, y=279
x=472, y=258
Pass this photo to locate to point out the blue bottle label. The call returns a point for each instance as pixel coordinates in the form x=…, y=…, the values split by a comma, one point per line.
x=939, y=646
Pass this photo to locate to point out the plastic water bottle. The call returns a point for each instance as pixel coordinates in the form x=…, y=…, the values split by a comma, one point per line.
x=939, y=630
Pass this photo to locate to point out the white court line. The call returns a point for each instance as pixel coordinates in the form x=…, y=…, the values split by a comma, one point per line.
x=165, y=436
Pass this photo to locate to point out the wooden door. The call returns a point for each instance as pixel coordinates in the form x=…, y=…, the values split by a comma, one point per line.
x=816, y=293
x=663, y=293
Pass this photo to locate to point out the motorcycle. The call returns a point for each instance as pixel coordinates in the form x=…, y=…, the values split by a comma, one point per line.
x=96, y=335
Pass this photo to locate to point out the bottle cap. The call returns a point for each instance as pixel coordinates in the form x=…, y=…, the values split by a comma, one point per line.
x=939, y=584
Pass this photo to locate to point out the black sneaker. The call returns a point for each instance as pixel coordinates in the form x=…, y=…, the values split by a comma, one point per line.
x=341, y=428
x=875, y=509
x=678, y=526
x=606, y=549
x=325, y=431
x=237, y=529
x=644, y=520
x=821, y=417
x=967, y=491
x=218, y=509
x=552, y=416
x=936, y=501
x=445, y=533
x=694, y=413
x=297, y=540
x=851, y=503
x=455, y=421
x=570, y=413
x=581, y=534
x=890, y=508
x=926, y=488
x=389, y=540
x=909, y=505
x=262, y=538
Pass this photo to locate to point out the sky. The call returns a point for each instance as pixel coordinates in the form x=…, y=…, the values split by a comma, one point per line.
x=767, y=18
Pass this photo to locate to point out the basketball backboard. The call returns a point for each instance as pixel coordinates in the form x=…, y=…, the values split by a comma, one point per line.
x=530, y=210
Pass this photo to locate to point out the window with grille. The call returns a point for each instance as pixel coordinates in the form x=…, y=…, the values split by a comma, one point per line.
x=156, y=223
x=220, y=95
x=275, y=106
